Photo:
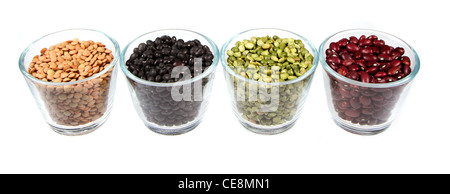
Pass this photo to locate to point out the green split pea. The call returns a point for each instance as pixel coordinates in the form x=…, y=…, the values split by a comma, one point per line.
x=287, y=56
x=270, y=59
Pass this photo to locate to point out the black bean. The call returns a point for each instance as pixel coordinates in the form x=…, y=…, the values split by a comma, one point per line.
x=157, y=54
x=166, y=77
x=158, y=61
x=180, y=43
x=134, y=56
x=180, y=55
x=142, y=47
x=209, y=57
x=158, y=41
x=178, y=63
x=166, y=112
x=167, y=60
x=136, y=50
x=189, y=44
x=166, y=39
x=162, y=71
x=154, y=61
x=152, y=72
x=158, y=78
x=147, y=54
x=174, y=52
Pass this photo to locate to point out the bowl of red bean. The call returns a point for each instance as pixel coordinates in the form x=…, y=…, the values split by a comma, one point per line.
x=367, y=74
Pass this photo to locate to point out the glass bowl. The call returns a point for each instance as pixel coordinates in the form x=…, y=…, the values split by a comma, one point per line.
x=77, y=107
x=365, y=108
x=161, y=106
x=267, y=107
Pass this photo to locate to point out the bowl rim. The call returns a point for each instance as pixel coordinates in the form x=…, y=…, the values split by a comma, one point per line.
x=204, y=74
x=313, y=51
x=335, y=74
x=28, y=48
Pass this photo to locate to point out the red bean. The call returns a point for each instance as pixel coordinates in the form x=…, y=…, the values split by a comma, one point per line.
x=400, y=76
x=353, y=40
x=381, y=79
x=378, y=43
x=377, y=98
x=361, y=66
x=380, y=74
x=385, y=57
x=396, y=55
x=394, y=71
x=367, y=111
x=406, y=70
x=367, y=50
x=372, y=70
x=345, y=93
x=385, y=49
x=360, y=62
x=354, y=75
x=385, y=66
x=352, y=47
x=348, y=62
x=329, y=52
x=364, y=76
x=355, y=93
x=376, y=50
x=390, y=79
x=334, y=46
x=357, y=55
x=343, y=104
x=406, y=60
x=343, y=42
x=353, y=67
x=342, y=70
x=368, y=93
x=372, y=37
x=370, y=58
x=354, y=102
x=396, y=63
x=365, y=100
x=353, y=113
x=362, y=37
x=345, y=55
x=333, y=66
x=335, y=60
x=400, y=50
x=365, y=42
x=372, y=64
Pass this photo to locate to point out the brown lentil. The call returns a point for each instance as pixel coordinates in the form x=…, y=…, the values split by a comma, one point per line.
x=70, y=61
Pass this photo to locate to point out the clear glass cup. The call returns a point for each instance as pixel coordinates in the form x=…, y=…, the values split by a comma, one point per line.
x=171, y=108
x=79, y=107
x=267, y=107
x=365, y=108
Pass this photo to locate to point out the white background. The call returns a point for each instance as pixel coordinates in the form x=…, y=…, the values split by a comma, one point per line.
x=417, y=142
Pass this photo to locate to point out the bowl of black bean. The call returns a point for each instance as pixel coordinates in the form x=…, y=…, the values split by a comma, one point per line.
x=170, y=75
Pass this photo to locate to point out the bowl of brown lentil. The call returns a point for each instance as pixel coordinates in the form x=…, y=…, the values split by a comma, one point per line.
x=71, y=75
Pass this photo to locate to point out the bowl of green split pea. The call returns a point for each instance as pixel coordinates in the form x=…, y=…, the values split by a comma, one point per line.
x=268, y=73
